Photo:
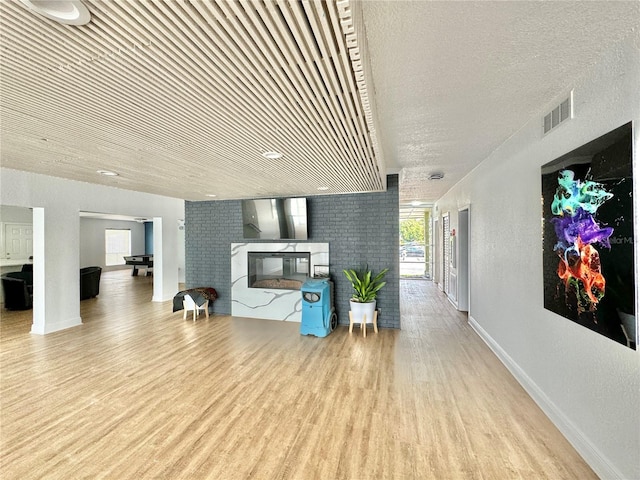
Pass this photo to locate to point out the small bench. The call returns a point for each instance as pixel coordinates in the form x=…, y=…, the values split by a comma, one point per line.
x=202, y=297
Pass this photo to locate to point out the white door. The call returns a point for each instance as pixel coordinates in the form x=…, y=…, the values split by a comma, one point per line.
x=446, y=254
x=18, y=240
x=463, y=260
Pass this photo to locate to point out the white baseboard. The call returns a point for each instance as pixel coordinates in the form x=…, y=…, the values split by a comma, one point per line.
x=452, y=301
x=49, y=327
x=589, y=452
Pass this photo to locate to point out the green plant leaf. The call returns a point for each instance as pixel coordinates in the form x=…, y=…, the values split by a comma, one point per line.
x=365, y=288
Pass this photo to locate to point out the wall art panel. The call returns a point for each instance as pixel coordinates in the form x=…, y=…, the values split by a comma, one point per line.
x=588, y=258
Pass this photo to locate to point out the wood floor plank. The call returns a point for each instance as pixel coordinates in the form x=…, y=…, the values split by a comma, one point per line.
x=136, y=392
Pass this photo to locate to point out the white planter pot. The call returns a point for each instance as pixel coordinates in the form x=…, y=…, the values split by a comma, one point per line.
x=359, y=310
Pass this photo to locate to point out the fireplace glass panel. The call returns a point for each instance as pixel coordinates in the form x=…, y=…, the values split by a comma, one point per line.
x=279, y=270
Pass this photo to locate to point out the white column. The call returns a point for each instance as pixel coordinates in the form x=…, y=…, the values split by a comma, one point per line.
x=165, y=259
x=56, y=269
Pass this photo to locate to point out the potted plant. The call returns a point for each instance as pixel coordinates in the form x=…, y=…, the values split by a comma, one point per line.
x=365, y=290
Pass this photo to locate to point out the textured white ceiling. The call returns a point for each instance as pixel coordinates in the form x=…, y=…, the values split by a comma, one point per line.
x=454, y=80
x=181, y=96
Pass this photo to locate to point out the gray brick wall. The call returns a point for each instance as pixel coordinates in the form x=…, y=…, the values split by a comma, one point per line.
x=210, y=228
x=360, y=228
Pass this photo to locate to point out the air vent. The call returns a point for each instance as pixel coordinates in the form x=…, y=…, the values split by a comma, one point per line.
x=559, y=114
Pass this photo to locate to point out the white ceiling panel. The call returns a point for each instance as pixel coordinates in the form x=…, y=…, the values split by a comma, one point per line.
x=182, y=97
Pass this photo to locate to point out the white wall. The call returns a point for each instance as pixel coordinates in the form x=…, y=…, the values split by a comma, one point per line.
x=92, y=247
x=11, y=214
x=588, y=384
x=56, y=206
x=181, y=252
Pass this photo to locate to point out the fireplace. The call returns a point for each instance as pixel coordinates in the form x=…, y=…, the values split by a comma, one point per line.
x=295, y=261
x=278, y=270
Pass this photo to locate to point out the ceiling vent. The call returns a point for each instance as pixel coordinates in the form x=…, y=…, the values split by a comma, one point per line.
x=559, y=114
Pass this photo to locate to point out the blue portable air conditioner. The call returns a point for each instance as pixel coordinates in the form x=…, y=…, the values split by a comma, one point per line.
x=318, y=315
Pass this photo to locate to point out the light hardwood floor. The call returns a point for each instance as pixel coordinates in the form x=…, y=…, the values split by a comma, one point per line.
x=137, y=392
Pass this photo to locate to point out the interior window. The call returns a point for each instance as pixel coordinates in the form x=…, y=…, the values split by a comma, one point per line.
x=117, y=245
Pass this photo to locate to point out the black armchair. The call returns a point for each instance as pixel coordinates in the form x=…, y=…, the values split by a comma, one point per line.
x=18, y=293
x=89, y=282
x=26, y=276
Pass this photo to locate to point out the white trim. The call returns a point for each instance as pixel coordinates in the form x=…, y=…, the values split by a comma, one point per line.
x=451, y=301
x=467, y=208
x=446, y=269
x=50, y=327
x=589, y=452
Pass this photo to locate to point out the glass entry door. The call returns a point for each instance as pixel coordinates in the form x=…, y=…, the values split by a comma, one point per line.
x=415, y=242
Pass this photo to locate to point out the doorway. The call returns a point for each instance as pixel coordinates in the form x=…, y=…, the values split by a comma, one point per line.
x=16, y=241
x=446, y=254
x=416, y=241
x=463, y=259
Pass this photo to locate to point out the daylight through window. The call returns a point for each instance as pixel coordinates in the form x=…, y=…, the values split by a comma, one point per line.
x=117, y=245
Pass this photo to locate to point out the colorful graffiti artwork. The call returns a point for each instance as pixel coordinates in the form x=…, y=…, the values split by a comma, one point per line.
x=574, y=206
x=588, y=236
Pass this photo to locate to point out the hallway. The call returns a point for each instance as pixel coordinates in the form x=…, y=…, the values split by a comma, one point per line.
x=137, y=392
x=470, y=400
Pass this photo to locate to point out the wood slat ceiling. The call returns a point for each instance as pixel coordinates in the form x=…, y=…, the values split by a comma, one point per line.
x=181, y=97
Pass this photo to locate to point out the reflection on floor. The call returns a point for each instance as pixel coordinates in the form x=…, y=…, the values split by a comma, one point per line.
x=138, y=392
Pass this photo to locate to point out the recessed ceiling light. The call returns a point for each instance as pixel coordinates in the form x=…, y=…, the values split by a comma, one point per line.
x=108, y=173
x=272, y=155
x=68, y=12
x=211, y=195
x=416, y=203
x=322, y=189
x=436, y=176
